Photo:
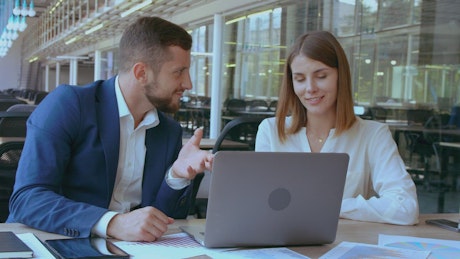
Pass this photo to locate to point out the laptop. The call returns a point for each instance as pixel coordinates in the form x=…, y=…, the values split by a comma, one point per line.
x=272, y=199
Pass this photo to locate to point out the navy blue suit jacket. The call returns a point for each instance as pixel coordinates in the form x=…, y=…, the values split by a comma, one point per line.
x=67, y=170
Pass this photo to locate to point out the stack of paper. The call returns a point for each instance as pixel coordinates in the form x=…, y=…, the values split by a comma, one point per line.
x=182, y=245
x=397, y=247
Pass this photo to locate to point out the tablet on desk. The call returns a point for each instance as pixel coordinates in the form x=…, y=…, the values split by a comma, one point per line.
x=445, y=223
x=85, y=248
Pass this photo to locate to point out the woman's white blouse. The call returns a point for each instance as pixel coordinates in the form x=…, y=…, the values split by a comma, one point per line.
x=378, y=187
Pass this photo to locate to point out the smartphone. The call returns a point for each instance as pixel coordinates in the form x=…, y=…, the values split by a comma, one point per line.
x=444, y=223
x=77, y=248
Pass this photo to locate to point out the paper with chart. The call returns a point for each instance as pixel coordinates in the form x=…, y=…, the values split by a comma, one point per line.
x=350, y=250
x=181, y=245
x=439, y=248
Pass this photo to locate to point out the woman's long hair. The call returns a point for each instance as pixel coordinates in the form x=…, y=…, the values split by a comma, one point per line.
x=321, y=46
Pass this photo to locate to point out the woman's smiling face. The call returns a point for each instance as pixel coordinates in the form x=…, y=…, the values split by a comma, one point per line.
x=315, y=84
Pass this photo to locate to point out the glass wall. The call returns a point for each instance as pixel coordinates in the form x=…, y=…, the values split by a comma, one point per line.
x=403, y=50
x=404, y=57
x=201, y=57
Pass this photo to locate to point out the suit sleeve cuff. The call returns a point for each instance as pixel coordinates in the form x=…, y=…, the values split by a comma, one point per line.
x=100, y=228
x=176, y=183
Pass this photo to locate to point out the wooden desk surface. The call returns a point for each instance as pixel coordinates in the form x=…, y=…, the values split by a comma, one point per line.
x=21, y=228
x=450, y=144
x=420, y=128
x=348, y=230
x=366, y=232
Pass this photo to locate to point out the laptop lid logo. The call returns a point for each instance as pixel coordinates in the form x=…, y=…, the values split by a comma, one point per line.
x=279, y=199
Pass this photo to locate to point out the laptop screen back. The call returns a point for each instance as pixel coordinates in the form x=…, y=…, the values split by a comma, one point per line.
x=274, y=198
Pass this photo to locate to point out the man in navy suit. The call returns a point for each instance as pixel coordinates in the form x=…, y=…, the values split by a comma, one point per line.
x=103, y=158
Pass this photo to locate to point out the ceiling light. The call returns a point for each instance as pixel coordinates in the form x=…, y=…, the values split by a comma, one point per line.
x=135, y=8
x=235, y=20
x=10, y=24
x=95, y=28
x=31, y=9
x=260, y=13
x=33, y=59
x=22, y=24
x=71, y=40
x=17, y=8
x=24, y=10
x=14, y=35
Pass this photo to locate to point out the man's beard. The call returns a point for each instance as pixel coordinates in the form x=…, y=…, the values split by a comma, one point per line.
x=163, y=104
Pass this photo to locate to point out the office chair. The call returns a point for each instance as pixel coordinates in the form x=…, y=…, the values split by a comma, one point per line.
x=447, y=167
x=13, y=123
x=419, y=116
x=258, y=105
x=242, y=129
x=420, y=143
x=378, y=113
x=7, y=103
x=22, y=108
x=39, y=96
x=273, y=105
x=233, y=106
x=10, y=152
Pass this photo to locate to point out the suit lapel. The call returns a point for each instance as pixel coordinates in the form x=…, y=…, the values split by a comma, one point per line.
x=108, y=120
x=157, y=143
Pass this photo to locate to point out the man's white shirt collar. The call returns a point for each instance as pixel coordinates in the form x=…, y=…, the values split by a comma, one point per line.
x=150, y=119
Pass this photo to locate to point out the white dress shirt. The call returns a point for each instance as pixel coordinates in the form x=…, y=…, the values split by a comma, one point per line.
x=378, y=187
x=127, y=192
